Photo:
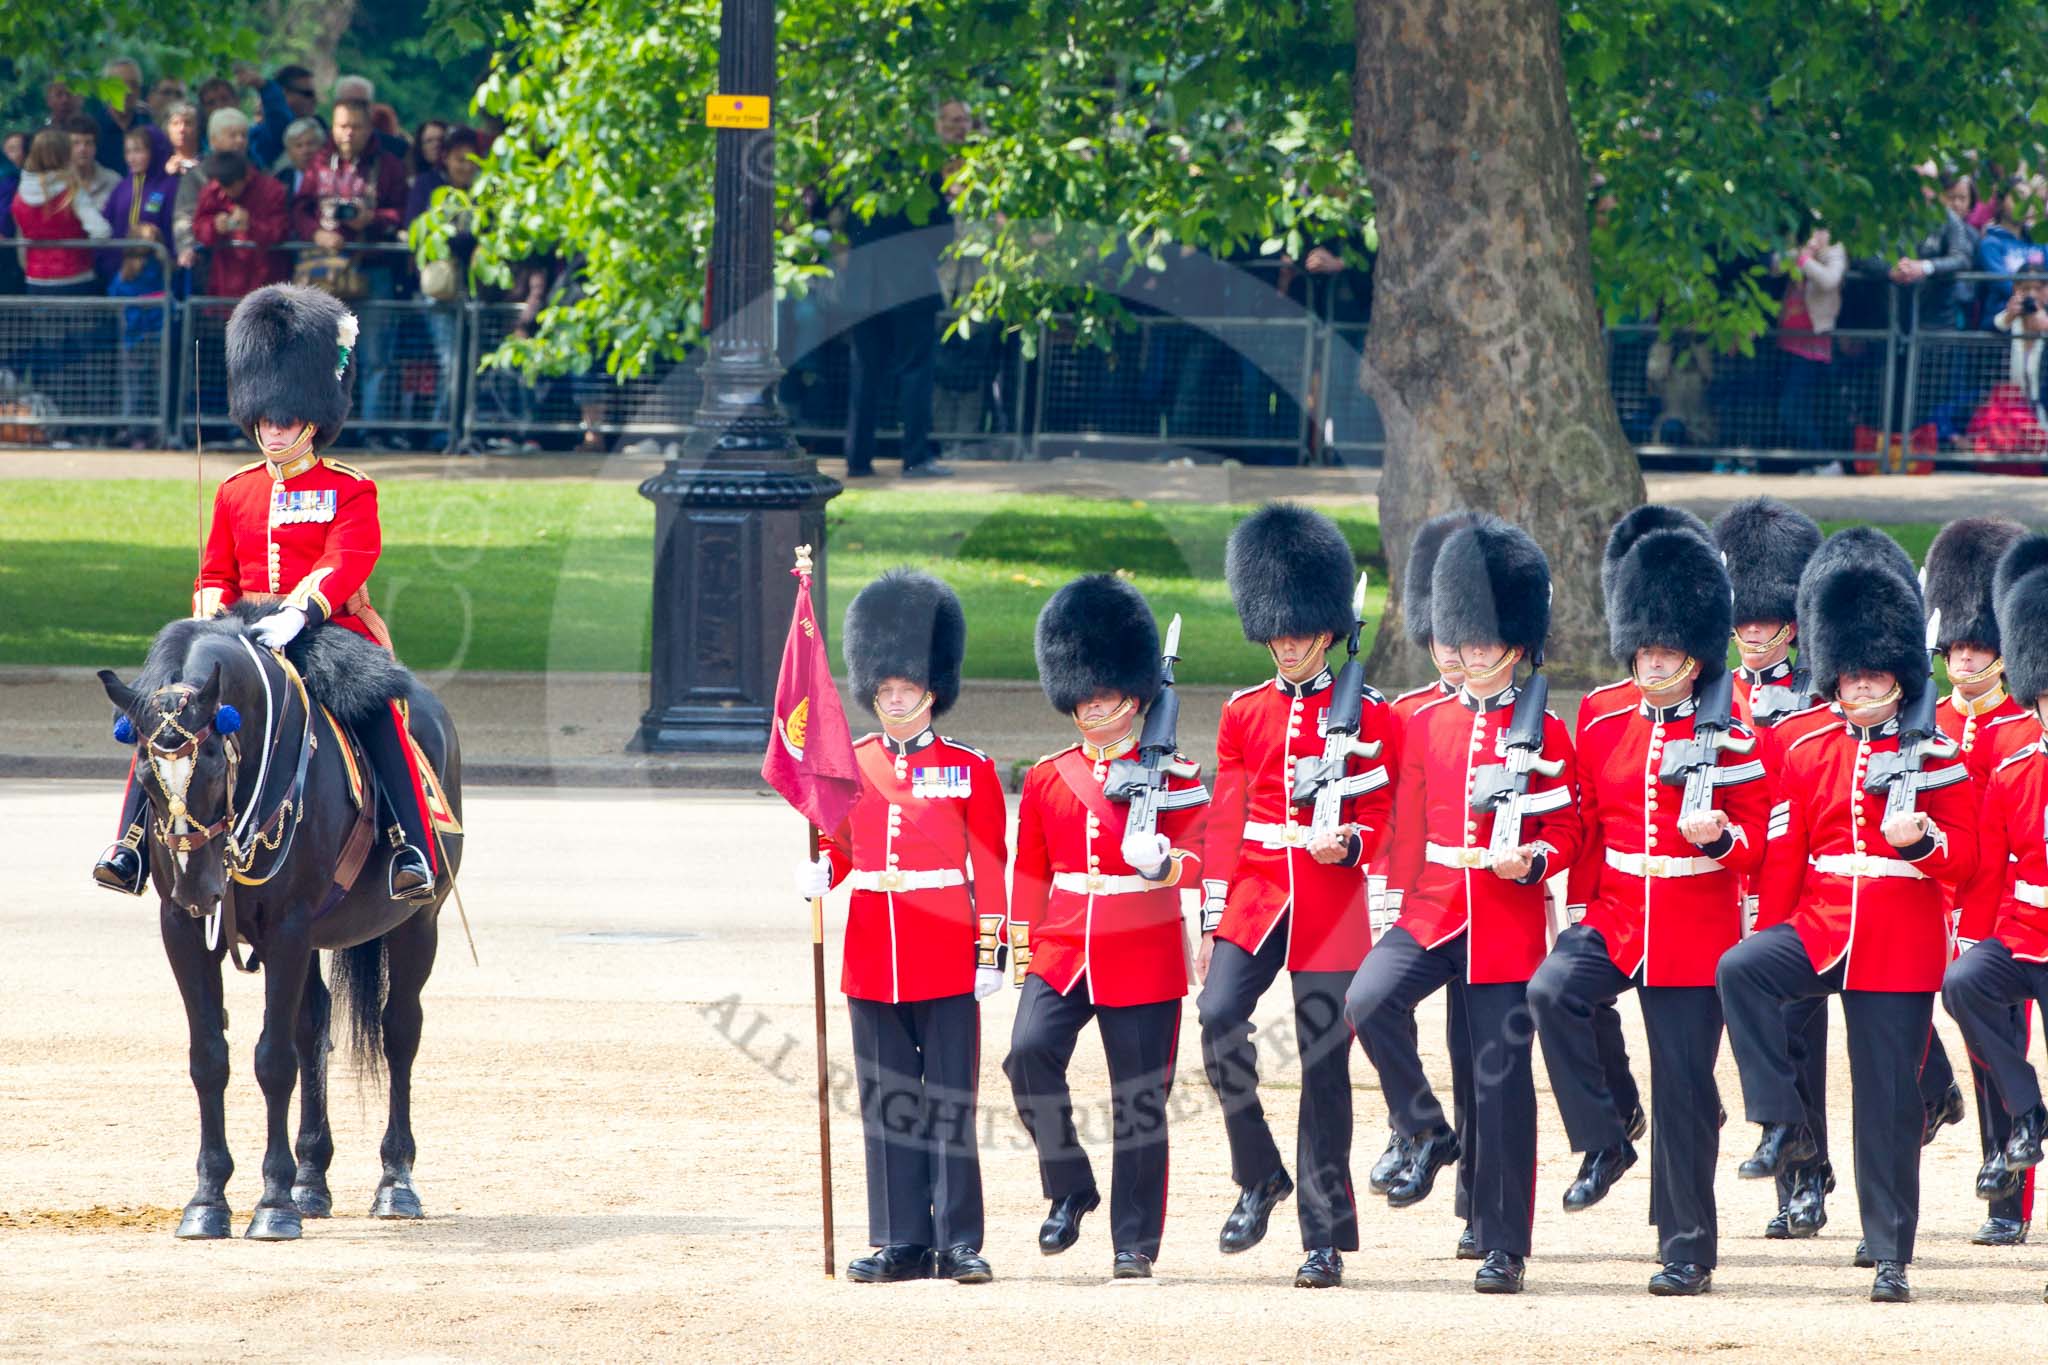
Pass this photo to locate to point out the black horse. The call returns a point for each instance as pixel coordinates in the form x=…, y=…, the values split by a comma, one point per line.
x=255, y=837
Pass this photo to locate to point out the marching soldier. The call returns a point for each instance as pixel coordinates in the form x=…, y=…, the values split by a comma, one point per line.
x=1855, y=901
x=923, y=848
x=1096, y=922
x=1472, y=905
x=2006, y=971
x=1988, y=726
x=1281, y=893
x=1766, y=545
x=1657, y=887
x=300, y=530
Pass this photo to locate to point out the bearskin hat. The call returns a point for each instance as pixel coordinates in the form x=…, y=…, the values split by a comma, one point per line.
x=1961, y=564
x=1767, y=543
x=2020, y=589
x=906, y=624
x=1422, y=553
x=1290, y=573
x=1491, y=585
x=1863, y=615
x=1853, y=550
x=1636, y=524
x=1097, y=634
x=284, y=360
x=1670, y=589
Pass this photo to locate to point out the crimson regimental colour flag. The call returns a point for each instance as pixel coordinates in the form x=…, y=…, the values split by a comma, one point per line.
x=810, y=751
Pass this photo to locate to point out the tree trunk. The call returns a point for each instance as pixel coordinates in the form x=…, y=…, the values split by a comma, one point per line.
x=1485, y=355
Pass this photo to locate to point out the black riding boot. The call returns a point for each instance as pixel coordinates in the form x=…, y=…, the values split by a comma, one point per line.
x=411, y=877
x=125, y=864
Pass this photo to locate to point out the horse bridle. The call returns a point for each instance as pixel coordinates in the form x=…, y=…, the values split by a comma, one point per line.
x=176, y=783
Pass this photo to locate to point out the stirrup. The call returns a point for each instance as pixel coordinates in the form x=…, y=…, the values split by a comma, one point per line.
x=121, y=868
x=413, y=863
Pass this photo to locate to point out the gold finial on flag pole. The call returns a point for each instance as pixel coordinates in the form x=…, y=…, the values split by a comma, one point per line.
x=803, y=559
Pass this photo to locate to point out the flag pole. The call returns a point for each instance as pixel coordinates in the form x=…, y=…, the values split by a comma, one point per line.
x=803, y=570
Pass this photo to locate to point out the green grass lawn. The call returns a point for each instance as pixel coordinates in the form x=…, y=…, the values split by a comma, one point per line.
x=528, y=576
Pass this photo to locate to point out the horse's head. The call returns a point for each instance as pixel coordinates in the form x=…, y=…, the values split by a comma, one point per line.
x=188, y=758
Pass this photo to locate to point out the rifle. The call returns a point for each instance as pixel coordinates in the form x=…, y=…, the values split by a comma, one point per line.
x=1773, y=702
x=1322, y=782
x=1900, y=776
x=1503, y=788
x=1140, y=782
x=1694, y=763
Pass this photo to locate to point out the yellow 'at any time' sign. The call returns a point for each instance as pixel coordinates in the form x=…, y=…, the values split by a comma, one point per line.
x=736, y=111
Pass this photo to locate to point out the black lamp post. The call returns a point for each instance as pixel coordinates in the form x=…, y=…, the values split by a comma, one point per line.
x=730, y=509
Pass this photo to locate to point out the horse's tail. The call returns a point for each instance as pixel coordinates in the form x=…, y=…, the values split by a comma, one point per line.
x=361, y=975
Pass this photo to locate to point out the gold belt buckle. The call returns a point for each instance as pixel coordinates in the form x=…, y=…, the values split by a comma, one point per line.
x=1472, y=858
x=1096, y=883
x=1656, y=866
x=890, y=879
x=1859, y=865
x=1296, y=836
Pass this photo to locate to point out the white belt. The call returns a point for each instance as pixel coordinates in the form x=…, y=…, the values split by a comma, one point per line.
x=1652, y=865
x=1103, y=884
x=1863, y=865
x=1444, y=855
x=895, y=880
x=1279, y=836
x=2026, y=893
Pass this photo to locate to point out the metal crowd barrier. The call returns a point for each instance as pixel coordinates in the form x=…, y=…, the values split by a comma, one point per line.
x=1281, y=389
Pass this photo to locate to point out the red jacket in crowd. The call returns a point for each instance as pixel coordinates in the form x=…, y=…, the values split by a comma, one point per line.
x=924, y=844
x=1660, y=902
x=1439, y=841
x=1832, y=874
x=375, y=181
x=244, y=260
x=1257, y=840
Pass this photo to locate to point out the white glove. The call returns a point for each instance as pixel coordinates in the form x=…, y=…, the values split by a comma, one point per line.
x=1147, y=853
x=987, y=981
x=277, y=630
x=812, y=879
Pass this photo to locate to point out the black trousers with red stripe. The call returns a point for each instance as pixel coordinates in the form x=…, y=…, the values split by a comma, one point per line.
x=918, y=1066
x=1396, y=976
x=404, y=795
x=1140, y=1043
x=1324, y=1202
x=1990, y=993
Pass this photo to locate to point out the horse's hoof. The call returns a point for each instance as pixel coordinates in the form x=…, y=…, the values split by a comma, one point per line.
x=396, y=1201
x=273, y=1225
x=313, y=1201
x=204, y=1222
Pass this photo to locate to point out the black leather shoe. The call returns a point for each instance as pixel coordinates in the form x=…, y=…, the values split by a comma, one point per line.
x=1324, y=1269
x=1130, y=1265
x=121, y=868
x=1468, y=1245
x=1432, y=1152
x=1806, y=1212
x=1782, y=1145
x=1779, y=1229
x=892, y=1264
x=1062, y=1227
x=410, y=879
x=2001, y=1232
x=1948, y=1109
x=1681, y=1278
x=963, y=1265
x=1861, y=1260
x=1890, y=1285
x=1996, y=1180
x=1597, y=1174
x=1501, y=1273
x=1245, y=1228
x=2023, y=1148
x=1389, y=1165
x=1637, y=1124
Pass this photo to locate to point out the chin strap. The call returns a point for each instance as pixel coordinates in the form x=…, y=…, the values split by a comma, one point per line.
x=1749, y=652
x=908, y=716
x=1483, y=676
x=1672, y=683
x=1310, y=666
x=1853, y=708
x=1123, y=708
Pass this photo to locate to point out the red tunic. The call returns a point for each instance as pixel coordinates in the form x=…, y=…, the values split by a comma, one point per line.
x=1772, y=741
x=2012, y=856
x=1892, y=929
x=937, y=810
x=1671, y=929
x=307, y=533
x=1128, y=944
x=1995, y=733
x=1404, y=709
x=1263, y=730
x=1448, y=741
